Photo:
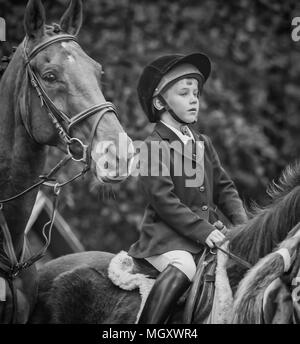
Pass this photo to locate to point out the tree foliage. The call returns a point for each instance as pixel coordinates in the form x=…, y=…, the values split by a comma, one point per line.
x=250, y=106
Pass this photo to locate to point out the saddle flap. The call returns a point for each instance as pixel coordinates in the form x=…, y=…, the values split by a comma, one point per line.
x=200, y=298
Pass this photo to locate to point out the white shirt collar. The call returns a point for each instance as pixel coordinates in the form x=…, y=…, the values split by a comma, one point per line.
x=183, y=138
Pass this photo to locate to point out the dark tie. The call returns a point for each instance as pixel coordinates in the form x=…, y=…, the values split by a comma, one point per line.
x=185, y=131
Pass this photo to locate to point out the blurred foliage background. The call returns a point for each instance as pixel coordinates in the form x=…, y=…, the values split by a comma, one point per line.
x=250, y=107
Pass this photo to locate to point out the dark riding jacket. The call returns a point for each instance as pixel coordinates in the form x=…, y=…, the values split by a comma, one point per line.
x=178, y=217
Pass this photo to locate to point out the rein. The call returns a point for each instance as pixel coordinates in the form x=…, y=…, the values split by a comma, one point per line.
x=234, y=257
x=10, y=267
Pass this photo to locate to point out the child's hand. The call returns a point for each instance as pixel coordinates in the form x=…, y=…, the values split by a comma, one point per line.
x=214, y=237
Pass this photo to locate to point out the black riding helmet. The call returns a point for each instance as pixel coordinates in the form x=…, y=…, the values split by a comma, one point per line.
x=155, y=71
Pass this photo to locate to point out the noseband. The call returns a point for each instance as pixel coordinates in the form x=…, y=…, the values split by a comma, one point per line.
x=62, y=122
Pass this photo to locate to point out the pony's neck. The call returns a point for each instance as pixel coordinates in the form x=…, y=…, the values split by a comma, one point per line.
x=21, y=159
x=261, y=234
x=268, y=227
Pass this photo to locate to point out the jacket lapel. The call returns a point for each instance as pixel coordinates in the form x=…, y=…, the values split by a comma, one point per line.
x=199, y=148
x=167, y=134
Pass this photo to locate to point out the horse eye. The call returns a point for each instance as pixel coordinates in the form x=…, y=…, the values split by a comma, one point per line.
x=50, y=77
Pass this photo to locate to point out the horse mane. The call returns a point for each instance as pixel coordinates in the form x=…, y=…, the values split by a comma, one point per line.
x=250, y=294
x=289, y=179
x=5, y=61
x=248, y=301
x=269, y=225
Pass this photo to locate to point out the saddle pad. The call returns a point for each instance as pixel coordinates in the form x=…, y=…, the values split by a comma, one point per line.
x=223, y=299
x=214, y=303
x=2, y=289
x=121, y=273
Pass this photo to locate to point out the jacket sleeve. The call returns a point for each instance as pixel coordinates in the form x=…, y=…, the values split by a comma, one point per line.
x=225, y=195
x=159, y=191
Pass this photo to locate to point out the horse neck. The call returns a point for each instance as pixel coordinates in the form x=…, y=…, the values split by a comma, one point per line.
x=261, y=234
x=21, y=159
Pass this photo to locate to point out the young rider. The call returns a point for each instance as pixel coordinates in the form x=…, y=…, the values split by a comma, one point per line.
x=179, y=220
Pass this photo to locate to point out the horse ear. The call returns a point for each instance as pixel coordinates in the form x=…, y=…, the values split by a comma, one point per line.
x=72, y=19
x=34, y=19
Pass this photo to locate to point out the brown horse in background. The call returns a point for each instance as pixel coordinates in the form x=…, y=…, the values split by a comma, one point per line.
x=50, y=94
x=76, y=288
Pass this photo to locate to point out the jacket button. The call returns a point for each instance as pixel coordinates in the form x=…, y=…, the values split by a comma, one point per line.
x=204, y=207
x=202, y=188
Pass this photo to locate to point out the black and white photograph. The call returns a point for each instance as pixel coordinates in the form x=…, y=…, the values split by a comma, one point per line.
x=149, y=165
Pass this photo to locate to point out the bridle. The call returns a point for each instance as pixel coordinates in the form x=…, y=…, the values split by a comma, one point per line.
x=62, y=122
x=10, y=267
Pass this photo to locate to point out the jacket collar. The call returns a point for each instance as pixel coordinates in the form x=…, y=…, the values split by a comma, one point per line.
x=167, y=134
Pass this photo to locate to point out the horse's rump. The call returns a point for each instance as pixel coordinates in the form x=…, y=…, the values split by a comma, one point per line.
x=76, y=289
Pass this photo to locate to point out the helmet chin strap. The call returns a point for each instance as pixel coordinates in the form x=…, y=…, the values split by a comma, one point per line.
x=171, y=112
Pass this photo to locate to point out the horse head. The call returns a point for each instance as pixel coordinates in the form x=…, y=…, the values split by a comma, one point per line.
x=61, y=101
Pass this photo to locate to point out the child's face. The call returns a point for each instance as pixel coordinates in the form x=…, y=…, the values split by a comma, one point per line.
x=183, y=98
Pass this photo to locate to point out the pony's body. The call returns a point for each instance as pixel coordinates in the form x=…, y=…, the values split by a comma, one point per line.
x=76, y=288
x=71, y=80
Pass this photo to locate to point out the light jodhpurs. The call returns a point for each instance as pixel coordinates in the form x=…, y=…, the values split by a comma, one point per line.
x=183, y=260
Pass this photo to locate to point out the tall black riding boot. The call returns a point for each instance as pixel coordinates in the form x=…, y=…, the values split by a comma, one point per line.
x=167, y=289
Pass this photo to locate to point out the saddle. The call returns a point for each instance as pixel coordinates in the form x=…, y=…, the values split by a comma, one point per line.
x=198, y=299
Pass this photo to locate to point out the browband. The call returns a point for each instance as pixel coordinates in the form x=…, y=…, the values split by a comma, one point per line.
x=46, y=44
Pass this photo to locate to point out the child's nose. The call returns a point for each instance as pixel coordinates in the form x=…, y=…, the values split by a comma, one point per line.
x=193, y=99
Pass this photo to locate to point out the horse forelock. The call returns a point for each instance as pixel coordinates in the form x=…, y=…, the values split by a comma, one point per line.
x=53, y=29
